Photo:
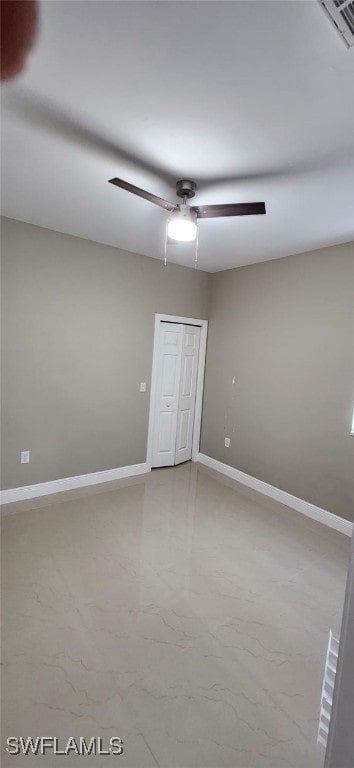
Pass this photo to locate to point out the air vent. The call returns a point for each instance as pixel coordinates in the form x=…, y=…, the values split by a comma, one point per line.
x=328, y=688
x=341, y=13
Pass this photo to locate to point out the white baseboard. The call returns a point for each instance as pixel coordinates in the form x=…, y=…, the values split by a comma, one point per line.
x=310, y=510
x=94, y=478
x=68, y=483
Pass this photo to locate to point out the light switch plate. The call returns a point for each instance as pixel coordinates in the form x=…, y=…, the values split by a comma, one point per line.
x=227, y=442
x=25, y=457
x=143, y=386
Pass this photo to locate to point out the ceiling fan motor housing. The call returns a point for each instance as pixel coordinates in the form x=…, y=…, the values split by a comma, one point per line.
x=185, y=212
x=186, y=188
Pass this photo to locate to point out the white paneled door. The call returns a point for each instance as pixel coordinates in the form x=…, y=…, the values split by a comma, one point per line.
x=177, y=367
x=187, y=392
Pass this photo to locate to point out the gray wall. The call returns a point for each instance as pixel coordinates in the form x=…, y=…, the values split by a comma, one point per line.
x=285, y=330
x=77, y=339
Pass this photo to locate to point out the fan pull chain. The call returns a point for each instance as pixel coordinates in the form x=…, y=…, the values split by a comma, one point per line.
x=196, y=251
x=165, y=257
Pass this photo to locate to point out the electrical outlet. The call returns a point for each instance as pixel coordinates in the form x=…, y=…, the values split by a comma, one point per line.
x=25, y=457
x=143, y=386
x=227, y=442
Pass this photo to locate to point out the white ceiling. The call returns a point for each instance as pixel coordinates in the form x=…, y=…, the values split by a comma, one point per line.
x=253, y=100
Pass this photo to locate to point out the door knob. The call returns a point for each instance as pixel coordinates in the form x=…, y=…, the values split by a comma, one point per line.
x=168, y=405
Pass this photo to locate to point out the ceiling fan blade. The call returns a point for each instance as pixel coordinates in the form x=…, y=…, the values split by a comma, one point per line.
x=142, y=193
x=229, y=209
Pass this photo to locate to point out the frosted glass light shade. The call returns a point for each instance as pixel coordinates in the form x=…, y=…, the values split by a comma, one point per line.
x=182, y=226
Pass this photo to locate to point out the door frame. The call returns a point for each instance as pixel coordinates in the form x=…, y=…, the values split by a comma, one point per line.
x=203, y=324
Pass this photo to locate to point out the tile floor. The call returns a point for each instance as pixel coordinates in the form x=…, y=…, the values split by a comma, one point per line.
x=179, y=611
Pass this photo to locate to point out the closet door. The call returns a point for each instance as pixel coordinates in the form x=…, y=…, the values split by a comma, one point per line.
x=178, y=353
x=167, y=395
x=187, y=392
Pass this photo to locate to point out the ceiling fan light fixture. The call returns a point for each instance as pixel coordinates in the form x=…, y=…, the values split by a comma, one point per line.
x=182, y=225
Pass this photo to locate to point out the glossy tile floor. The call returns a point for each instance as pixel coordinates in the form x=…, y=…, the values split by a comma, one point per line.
x=181, y=612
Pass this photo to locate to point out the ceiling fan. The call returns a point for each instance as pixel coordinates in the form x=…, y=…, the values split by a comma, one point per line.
x=182, y=225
